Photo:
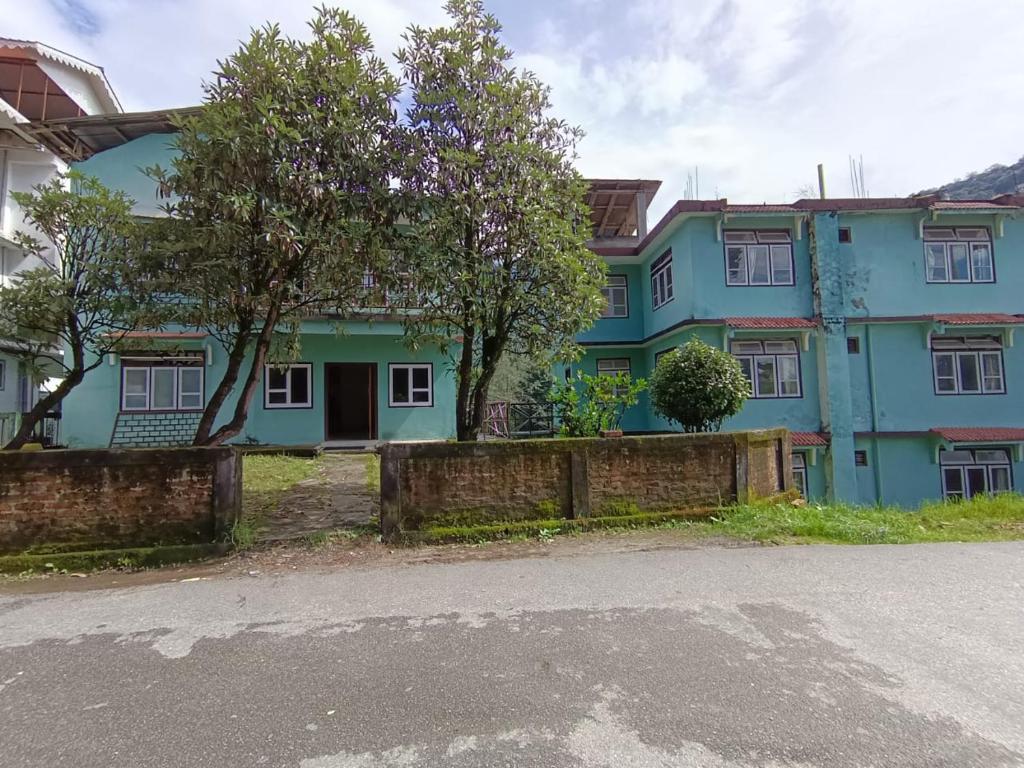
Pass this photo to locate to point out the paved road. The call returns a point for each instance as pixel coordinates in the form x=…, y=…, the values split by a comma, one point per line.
x=798, y=656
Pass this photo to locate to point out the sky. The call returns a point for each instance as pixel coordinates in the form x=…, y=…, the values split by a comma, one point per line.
x=753, y=94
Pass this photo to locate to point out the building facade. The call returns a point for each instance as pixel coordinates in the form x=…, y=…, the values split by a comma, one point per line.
x=354, y=382
x=37, y=84
x=880, y=331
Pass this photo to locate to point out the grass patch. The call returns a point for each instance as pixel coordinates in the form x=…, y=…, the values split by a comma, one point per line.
x=265, y=479
x=373, y=473
x=988, y=518
x=991, y=518
x=127, y=559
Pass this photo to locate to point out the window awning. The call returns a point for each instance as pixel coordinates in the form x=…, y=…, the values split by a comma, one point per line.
x=769, y=323
x=809, y=439
x=979, y=434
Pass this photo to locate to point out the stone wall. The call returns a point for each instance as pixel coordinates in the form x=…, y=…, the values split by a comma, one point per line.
x=110, y=498
x=456, y=483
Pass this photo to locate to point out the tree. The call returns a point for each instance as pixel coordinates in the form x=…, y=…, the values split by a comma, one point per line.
x=495, y=251
x=698, y=386
x=591, y=404
x=86, y=295
x=281, y=196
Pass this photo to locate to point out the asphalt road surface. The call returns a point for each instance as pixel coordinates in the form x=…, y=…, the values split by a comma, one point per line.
x=790, y=656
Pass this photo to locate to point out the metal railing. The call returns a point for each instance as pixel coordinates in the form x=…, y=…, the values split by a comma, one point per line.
x=519, y=420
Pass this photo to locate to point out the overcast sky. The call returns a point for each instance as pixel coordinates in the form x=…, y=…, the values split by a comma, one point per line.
x=754, y=93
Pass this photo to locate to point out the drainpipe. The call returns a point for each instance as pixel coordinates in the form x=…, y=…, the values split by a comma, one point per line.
x=875, y=443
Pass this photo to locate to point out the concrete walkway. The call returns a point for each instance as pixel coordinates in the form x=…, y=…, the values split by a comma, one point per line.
x=338, y=497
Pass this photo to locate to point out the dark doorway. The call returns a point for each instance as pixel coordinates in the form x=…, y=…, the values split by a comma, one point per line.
x=351, y=401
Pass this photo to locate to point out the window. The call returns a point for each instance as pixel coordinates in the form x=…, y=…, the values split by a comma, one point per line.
x=799, y=473
x=845, y=235
x=659, y=355
x=967, y=473
x=288, y=386
x=860, y=458
x=616, y=300
x=411, y=386
x=958, y=255
x=661, y=280
x=162, y=387
x=758, y=258
x=3, y=374
x=613, y=366
x=853, y=345
x=772, y=367
x=966, y=366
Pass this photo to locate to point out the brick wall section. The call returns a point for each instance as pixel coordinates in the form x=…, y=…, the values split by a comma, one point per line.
x=531, y=479
x=153, y=430
x=115, y=498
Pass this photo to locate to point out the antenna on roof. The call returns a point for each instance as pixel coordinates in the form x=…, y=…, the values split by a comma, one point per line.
x=821, y=181
x=857, y=176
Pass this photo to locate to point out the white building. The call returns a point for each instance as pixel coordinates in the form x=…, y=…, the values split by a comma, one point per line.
x=37, y=83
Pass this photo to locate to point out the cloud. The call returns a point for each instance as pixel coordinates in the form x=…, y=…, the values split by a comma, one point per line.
x=754, y=92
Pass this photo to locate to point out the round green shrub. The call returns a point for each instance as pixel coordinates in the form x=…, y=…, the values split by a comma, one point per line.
x=698, y=387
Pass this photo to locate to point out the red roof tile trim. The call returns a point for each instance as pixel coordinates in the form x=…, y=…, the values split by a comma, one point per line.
x=979, y=318
x=769, y=322
x=979, y=434
x=809, y=439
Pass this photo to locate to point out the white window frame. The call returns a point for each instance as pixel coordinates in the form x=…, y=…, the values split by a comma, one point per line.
x=751, y=353
x=973, y=240
x=773, y=247
x=408, y=369
x=287, y=388
x=617, y=285
x=960, y=461
x=799, y=466
x=150, y=381
x=612, y=366
x=957, y=350
x=662, y=289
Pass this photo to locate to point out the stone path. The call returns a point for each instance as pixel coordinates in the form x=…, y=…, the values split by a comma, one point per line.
x=337, y=497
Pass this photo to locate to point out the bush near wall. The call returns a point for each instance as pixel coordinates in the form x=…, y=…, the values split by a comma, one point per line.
x=457, y=484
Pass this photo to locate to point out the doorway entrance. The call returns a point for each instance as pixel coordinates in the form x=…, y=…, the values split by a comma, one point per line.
x=350, y=401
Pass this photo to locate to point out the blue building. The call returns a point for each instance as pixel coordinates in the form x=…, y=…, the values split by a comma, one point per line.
x=880, y=331
x=355, y=382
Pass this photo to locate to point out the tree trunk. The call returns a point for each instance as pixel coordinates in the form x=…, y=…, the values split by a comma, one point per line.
x=227, y=383
x=463, y=421
x=490, y=354
x=259, y=357
x=44, y=406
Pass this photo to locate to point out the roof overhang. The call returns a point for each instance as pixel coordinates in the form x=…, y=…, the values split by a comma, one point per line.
x=79, y=138
x=617, y=205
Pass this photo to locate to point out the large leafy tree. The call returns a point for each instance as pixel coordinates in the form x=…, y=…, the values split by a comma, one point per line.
x=496, y=249
x=698, y=386
x=280, y=196
x=86, y=295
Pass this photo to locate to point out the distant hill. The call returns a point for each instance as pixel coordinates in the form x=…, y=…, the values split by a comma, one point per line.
x=994, y=180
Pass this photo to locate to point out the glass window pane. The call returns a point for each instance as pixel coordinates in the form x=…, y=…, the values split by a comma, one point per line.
x=277, y=397
x=782, y=264
x=789, y=375
x=400, y=385
x=299, y=385
x=799, y=481
x=420, y=378
x=935, y=256
x=991, y=456
x=959, y=268
x=954, y=482
x=780, y=346
x=135, y=381
x=992, y=371
x=766, y=377
x=981, y=262
x=945, y=373
x=1000, y=477
x=163, y=388
x=277, y=378
x=976, y=481
x=740, y=237
x=736, y=265
x=757, y=256
x=421, y=396
x=191, y=380
x=970, y=381
x=746, y=366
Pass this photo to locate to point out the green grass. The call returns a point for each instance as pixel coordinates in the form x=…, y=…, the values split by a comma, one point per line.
x=989, y=518
x=265, y=478
x=994, y=518
x=373, y=473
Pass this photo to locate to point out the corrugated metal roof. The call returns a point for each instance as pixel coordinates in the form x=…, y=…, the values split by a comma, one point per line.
x=979, y=434
x=769, y=322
